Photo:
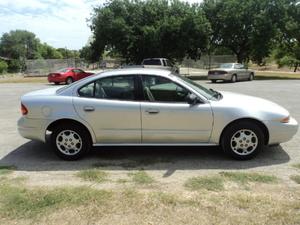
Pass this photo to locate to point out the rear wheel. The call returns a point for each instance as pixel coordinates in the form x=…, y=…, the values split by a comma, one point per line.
x=56, y=83
x=69, y=80
x=70, y=141
x=243, y=140
x=233, y=78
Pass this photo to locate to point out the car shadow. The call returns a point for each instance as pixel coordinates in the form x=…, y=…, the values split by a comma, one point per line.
x=37, y=156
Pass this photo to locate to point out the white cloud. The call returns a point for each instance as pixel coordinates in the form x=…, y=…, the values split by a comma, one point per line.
x=60, y=23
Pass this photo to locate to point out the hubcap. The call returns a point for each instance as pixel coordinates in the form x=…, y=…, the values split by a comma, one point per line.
x=244, y=142
x=68, y=142
x=234, y=78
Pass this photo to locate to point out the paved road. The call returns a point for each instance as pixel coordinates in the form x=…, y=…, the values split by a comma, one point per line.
x=34, y=156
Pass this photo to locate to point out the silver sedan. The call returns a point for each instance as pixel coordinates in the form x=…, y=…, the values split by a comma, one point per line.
x=151, y=107
x=230, y=72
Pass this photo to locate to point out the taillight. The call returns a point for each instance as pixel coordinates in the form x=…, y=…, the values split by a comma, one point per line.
x=24, y=110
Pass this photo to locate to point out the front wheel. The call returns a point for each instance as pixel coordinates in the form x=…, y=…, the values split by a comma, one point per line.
x=70, y=141
x=213, y=81
x=243, y=140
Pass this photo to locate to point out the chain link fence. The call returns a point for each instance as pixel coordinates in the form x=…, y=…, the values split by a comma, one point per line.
x=42, y=67
x=207, y=62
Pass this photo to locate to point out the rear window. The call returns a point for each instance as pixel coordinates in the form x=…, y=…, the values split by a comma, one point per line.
x=155, y=62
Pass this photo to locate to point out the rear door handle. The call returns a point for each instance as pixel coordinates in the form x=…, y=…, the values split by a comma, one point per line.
x=152, y=111
x=88, y=108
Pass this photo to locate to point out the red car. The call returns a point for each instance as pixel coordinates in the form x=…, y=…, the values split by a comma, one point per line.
x=67, y=75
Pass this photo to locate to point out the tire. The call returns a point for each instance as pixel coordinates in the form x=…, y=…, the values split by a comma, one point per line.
x=77, y=140
x=239, y=147
x=251, y=77
x=69, y=80
x=233, y=78
x=213, y=81
x=56, y=83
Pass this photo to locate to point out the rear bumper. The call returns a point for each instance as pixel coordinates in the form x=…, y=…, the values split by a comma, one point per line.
x=56, y=79
x=281, y=132
x=33, y=129
x=225, y=76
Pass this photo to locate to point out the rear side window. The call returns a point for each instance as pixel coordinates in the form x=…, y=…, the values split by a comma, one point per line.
x=118, y=88
x=155, y=62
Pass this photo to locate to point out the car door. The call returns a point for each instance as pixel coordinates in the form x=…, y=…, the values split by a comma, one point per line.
x=168, y=118
x=110, y=106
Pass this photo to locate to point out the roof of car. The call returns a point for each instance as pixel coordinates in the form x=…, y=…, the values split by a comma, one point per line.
x=131, y=71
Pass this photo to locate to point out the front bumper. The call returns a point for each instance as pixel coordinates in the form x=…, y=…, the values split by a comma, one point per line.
x=33, y=129
x=281, y=132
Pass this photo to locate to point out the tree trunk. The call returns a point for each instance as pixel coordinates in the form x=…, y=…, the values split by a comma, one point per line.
x=240, y=57
x=296, y=67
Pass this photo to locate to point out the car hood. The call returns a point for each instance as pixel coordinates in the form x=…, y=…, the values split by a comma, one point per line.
x=43, y=92
x=249, y=105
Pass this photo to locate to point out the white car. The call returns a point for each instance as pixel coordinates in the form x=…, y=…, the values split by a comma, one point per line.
x=230, y=72
x=151, y=107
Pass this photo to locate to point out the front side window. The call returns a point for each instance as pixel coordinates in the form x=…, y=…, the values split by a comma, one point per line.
x=116, y=87
x=161, y=89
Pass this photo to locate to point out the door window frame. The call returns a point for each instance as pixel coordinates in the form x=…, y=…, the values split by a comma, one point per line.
x=137, y=93
x=141, y=90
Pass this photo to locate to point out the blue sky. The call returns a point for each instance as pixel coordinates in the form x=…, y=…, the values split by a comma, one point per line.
x=60, y=23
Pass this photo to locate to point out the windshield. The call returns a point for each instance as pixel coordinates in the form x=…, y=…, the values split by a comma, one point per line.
x=207, y=93
x=226, y=65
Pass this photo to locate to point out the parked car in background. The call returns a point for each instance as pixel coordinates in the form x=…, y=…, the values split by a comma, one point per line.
x=160, y=63
x=67, y=75
x=230, y=72
x=151, y=107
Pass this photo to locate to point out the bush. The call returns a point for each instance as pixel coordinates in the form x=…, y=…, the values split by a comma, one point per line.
x=3, y=66
x=15, y=65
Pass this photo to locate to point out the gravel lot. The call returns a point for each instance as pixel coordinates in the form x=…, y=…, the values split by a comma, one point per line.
x=169, y=165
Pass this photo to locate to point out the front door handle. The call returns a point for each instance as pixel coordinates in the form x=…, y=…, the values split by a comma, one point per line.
x=88, y=108
x=152, y=111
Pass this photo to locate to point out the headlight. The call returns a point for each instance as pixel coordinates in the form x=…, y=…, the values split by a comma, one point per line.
x=285, y=119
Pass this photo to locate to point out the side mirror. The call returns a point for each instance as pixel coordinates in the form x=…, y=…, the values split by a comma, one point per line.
x=192, y=99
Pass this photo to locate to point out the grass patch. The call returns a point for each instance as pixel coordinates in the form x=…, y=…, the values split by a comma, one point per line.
x=93, y=175
x=20, y=79
x=4, y=170
x=210, y=183
x=141, y=177
x=18, y=202
x=276, y=75
x=297, y=165
x=244, y=178
x=165, y=198
x=295, y=178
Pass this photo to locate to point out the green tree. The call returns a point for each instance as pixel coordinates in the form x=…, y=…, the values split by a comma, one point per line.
x=287, y=52
x=246, y=27
x=19, y=44
x=48, y=52
x=152, y=28
x=3, y=66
